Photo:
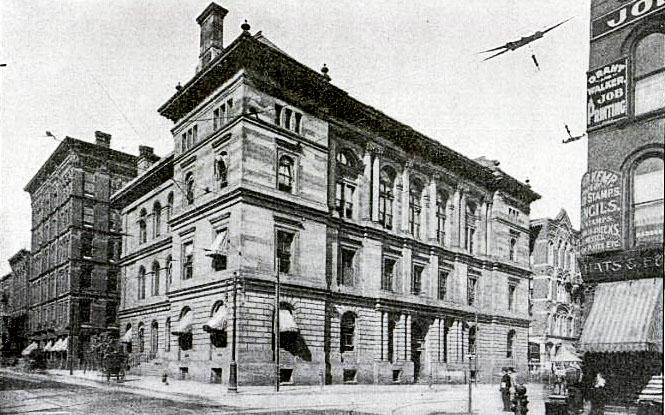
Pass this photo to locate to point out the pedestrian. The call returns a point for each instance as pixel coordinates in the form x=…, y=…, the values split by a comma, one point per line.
x=513, y=382
x=598, y=396
x=506, y=384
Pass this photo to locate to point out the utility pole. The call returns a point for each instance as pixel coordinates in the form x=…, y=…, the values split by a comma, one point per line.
x=233, y=368
x=276, y=329
x=70, y=345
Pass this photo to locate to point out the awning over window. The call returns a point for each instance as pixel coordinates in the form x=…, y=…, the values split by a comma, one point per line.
x=127, y=337
x=185, y=324
x=57, y=345
x=218, y=321
x=49, y=346
x=28, y=349
x=219, y=245
x=653, y=391
x=565, y=354
x=625, y=317
x=64, y=346
x=287, y=324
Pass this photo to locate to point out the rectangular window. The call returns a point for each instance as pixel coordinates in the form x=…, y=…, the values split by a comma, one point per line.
x=347, y=274
x=111, y=250
x=649, y=94
x=470, y=235
x=86, y=245
x=288, y=114
x=218, y=250
x=229, y=108
x=344, y=200
x=511, y=296
x=443, y=284
x=284, y=250
x=85, y=279
x=84, y=311
x=184, y=142
x=88, y=215
x=387, y=275
x=471, y=290
x=88, y=183
x=112, y=281
x=416, y=279
x=188, y=260
x=195, y=134
x=215, y=119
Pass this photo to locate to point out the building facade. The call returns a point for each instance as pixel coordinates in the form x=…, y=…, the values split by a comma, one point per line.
x=349, y=248
x=18, y=303
x=76, y=244
x=556, y=290
x=621, y=239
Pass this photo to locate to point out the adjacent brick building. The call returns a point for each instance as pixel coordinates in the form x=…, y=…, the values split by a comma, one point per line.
x=556, y=290
x=76, y=243
x=18, y=303
x=621, y=239
x=396, y=256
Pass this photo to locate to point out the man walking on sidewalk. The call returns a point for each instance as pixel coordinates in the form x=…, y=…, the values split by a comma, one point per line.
x=506, y=383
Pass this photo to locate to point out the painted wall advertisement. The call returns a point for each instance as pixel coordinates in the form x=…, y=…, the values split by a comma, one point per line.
x=601, y=212
x=607, y=89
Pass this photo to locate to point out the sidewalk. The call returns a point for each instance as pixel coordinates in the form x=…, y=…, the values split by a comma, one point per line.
x=380, y=399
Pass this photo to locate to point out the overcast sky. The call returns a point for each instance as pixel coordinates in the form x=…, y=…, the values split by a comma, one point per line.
x=74, y=67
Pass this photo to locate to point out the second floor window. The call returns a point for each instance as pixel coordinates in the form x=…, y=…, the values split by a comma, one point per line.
x=471, y=291
x=187, y=260
x=84, y=311
x=348, y=268
x=344, y=200
x=85, y=279
x=388, y=274
x=285, y=174
x=415, y=193
x=284, y=250
x=141, y=284
x=441, y=201
x=443, y=284
x=347, y=332
x=416, y=279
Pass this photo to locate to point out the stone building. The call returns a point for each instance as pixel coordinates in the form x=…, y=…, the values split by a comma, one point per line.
x=376, y=254
x=18, y=302
x=76, y=243
x=621, y=240
x=556, y=290
x=6, y=282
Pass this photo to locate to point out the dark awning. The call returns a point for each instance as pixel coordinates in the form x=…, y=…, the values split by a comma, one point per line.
x=625, y=317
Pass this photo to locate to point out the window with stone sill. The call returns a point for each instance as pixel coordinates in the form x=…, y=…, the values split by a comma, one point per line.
x=416, y=279
x=386, y=183
x=347, y=273
x=347, y=332
x=387, y=274
x=285, y=248
x=344, y=200
x=649, y=73
x=285, y=174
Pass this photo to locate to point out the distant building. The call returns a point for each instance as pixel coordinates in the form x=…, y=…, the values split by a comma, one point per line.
x=556, y=290
x=18, y=302
x=6, y=282
x=621, y=240
x=385, y=256
x=76, y=243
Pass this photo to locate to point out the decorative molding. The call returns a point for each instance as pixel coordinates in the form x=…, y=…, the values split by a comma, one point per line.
x=188, y=161
x=218, y=142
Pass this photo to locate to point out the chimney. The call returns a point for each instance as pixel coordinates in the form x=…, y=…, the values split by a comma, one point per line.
x=212, y=30
x=102, y=139
x=146, y=158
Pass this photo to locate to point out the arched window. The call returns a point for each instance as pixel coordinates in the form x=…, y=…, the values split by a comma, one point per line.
x=285, y=174
x=169, y=272
x=221, y=168
x=169, y=210
x=127, y=337
x=415, y=208
x=441, y=201
x=189, y=188
x=154, y=337
x=346, y=158
x=386, y=183
x=472, y=340
x=510, y=343
x=141, y=283
x=141, y=338
x=347, y=332
x=559, y=255
x=156, y=219
x=217, y=325
x=647, y=203
x=184, y=329
x=511, y=249
x=470, y=227
x=155, y=278
x=143, y=230
x=649, y=73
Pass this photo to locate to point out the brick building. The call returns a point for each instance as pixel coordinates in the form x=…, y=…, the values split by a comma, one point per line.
x=393, y=256
x=621, y=239
x=556, y=290
x=6, y=282
x=18, y=302
x=76, y=243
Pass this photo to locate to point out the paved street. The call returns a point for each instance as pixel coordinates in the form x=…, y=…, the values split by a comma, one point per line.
x=60, y=393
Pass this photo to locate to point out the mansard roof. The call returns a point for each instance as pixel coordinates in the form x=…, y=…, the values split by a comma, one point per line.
x=279, y=75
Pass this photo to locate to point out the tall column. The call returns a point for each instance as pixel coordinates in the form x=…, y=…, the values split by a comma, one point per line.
x=405, y=195
x=366, y=191
x=432, y=285
x=376, y=172
x=407, y=338
x=462, y=219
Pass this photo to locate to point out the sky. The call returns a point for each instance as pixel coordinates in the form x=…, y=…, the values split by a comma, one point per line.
x=77, y=66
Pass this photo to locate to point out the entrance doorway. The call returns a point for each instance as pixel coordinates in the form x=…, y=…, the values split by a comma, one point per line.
x=419, y=328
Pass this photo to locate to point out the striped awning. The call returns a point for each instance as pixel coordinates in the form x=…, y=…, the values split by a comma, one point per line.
x=626, y=316
x=57, y=345
x=287, y=324
x=185, y=324
x=653, y=391
x=49, y=346
x=218, y=321
x=64, y=345
x=28, y=349
x=127, y=337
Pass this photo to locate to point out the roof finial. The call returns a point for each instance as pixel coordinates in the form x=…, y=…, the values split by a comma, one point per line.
x=178, y=87
x=245, y=26
x=324, y=71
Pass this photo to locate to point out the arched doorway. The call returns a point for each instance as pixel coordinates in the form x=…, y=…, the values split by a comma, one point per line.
x=419, y=329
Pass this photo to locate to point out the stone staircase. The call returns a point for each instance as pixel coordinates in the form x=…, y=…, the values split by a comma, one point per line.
x=146, y=364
